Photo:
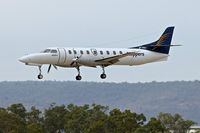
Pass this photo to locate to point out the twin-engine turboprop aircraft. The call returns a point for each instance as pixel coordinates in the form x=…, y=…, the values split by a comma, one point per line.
x=103, y=57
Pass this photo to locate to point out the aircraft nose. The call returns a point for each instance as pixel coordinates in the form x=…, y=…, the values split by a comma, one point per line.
x=24, y=59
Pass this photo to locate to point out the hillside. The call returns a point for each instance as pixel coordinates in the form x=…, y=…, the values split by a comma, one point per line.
x=148, y=98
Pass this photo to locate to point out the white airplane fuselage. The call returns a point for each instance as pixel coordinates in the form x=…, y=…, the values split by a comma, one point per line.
x=64, y=58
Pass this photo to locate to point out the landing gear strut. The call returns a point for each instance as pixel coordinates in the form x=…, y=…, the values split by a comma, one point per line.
x=40, y=76
x=103, y=75
x=78, y=77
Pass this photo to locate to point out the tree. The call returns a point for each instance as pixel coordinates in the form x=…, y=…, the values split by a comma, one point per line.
x=126, y=121
x=10, y=122
x=34, y=128
x=34, y=116
x=54, y=118
x=175, y=122
x=18, y=109
x=86, y=119
x=35, y=123
x=155, y=126
x=97, y=119
x=76, y=119
x=141, y=130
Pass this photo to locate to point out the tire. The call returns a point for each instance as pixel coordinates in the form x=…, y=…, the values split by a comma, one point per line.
x=103, y=76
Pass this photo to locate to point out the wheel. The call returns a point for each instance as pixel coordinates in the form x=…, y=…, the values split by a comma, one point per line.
x=103, y=76
x=40, y=76
x=78, y=77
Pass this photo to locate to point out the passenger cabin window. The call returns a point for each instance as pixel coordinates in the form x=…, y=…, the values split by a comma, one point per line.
x=53, y=51
x=81, y=51
x=101, y=52
x=120, y=52
x=95, y=52
x=114, y=52
x=75, y=52
x=88, y=52
x=69, y=51
x=107, y=52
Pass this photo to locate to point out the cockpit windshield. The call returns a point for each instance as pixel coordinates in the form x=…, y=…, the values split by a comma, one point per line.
x=49, y=51
x=46, y=51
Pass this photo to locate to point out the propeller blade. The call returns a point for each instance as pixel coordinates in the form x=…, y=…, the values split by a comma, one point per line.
x=72, y=63
x=49, y=68
x=55, y=67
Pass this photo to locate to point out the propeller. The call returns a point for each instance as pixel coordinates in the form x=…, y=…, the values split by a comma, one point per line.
x=75, y=61
x=50, y=68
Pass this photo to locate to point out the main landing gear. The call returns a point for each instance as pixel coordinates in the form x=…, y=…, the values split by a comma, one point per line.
x=78, y=77
x=103, y=75
x=40, y=76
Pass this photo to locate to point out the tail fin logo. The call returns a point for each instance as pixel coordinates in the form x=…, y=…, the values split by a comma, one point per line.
x=161, y=40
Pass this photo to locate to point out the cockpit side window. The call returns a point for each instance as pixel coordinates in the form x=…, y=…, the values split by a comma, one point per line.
x=53, y=51
x=46, y=51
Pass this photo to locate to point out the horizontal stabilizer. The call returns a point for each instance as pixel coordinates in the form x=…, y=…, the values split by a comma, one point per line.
x=167, y=45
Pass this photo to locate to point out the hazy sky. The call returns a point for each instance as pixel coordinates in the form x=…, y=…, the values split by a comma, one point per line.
x=28, y=26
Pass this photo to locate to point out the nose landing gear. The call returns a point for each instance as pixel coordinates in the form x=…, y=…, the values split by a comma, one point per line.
x=40, y=76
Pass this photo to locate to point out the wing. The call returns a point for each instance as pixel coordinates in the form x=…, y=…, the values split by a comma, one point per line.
x=114, y=59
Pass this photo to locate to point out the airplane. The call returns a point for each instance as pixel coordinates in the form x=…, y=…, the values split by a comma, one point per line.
x=92, y=57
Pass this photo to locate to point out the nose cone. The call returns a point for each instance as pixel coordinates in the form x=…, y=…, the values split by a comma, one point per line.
x=24, y=59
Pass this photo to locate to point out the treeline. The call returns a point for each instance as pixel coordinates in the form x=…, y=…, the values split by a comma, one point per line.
x=86, y=119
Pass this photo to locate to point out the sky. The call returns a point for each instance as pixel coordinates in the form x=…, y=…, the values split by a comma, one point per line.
x=28, y=26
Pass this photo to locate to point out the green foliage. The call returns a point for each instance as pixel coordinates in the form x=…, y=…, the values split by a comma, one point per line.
x=34, y=116
x=86, y=119
x=79, y=118
x=198, y=131
x=10, y=122
x=97, y=119
x=34, y=121
x=34, y=128
x=18, y=109
x=54, y=118
x=126, y=121
x=155, y=126
x=175, y=122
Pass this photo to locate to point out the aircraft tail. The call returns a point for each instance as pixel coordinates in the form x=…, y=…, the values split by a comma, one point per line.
x=163, y=44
